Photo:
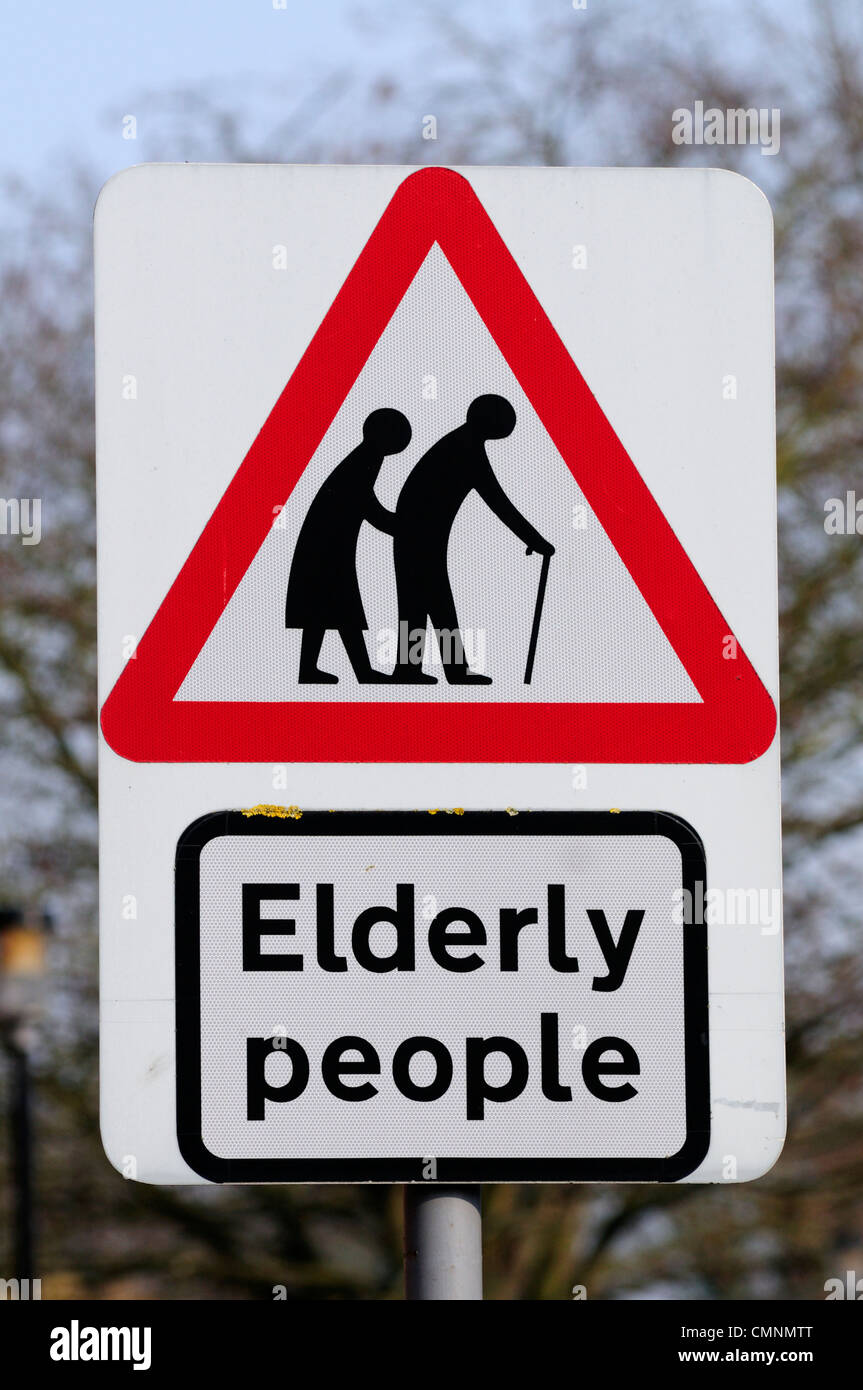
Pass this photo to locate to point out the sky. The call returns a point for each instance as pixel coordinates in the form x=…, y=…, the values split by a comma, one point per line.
x=69, y=72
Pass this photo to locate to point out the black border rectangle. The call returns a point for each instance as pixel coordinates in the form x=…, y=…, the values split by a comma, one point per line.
x=449, y=1170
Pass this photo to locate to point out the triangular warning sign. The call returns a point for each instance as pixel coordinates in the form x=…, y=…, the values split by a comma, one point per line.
x=709, y=706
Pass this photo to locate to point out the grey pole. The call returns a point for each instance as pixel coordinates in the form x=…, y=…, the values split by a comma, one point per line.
x=443, y=1242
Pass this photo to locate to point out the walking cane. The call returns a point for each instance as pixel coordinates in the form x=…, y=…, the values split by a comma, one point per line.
x=537, y=617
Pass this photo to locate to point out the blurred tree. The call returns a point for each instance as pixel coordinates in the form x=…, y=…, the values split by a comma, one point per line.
x=545, y=86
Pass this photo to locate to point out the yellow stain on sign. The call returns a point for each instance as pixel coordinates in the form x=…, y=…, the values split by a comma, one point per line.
x=279, y=812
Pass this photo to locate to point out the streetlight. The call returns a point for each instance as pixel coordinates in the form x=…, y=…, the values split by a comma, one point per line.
x=22, y=976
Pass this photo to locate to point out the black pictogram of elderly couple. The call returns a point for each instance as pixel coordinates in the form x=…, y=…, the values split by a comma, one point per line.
x=323, y=589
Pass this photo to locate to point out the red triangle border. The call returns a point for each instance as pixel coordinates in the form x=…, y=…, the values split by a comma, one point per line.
x=736, y=720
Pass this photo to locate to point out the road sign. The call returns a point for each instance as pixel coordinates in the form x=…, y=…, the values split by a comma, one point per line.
x=217, y=676
x=439, y=774
x=520, y=1018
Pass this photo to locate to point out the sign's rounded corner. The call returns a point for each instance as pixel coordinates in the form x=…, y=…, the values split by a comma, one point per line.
x=198, y=834
x=114, y=733
x=205, y=1164
x=767, y=729
x=681, y=833
x=773, y=1152
x=689, y=1156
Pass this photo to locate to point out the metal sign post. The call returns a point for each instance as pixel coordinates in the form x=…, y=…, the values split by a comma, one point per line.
x=443, y=1242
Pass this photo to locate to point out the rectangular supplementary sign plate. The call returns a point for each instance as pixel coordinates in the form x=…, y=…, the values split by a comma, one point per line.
x=394, y=995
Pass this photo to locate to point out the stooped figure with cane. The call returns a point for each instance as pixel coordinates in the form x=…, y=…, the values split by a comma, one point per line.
x=425, y=513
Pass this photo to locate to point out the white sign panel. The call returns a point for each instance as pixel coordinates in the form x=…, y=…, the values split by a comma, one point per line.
x=439, y=770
